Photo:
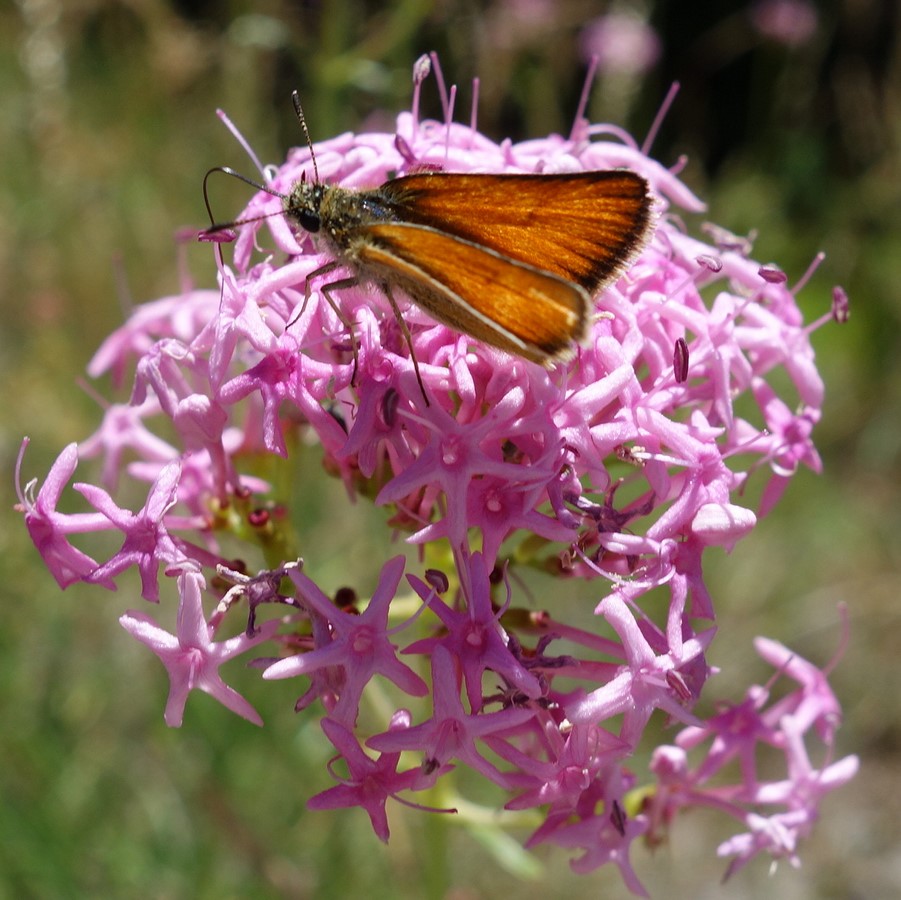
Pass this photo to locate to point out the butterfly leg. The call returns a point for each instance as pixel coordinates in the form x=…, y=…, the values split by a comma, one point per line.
x=322, y=270
x=407, y=337
x=326, y=291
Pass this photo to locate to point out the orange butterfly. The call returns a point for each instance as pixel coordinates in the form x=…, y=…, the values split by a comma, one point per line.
x=512, y=260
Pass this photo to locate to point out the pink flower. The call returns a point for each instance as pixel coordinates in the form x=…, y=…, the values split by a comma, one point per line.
x=789, y=22
x=371, y=783
x=147, y=540
x=452, y=731
x=48, y=527
x=474, y=636
x=191, y=656
x=622, y=42
x=358, y=644
x=615, y=471
x=727, y=776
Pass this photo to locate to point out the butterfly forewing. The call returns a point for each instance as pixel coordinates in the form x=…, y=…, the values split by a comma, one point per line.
x=583, y=226
x=473, y=289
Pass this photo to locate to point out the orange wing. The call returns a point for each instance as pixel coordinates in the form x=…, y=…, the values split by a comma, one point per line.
x=511, y=305
x=585, y=226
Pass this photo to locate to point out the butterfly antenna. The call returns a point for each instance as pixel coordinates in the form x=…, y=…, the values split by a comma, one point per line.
x=298, y=109
x=216, y=227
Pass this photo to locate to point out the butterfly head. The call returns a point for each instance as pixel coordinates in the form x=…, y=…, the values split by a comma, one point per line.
x=304, y=203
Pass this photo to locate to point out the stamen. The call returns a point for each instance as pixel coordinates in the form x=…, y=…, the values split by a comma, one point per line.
x=661, y=115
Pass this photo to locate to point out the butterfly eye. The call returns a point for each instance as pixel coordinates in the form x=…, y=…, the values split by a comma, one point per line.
x=308, y=220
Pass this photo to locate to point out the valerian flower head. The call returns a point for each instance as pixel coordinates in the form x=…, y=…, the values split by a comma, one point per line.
x=614, y=471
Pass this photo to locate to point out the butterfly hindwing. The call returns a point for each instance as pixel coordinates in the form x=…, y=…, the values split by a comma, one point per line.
x=476, y=290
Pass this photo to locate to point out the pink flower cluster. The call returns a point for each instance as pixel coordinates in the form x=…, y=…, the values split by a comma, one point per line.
x=618, y=469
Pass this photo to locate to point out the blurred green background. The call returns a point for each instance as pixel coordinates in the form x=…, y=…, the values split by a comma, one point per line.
x=789, y=114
